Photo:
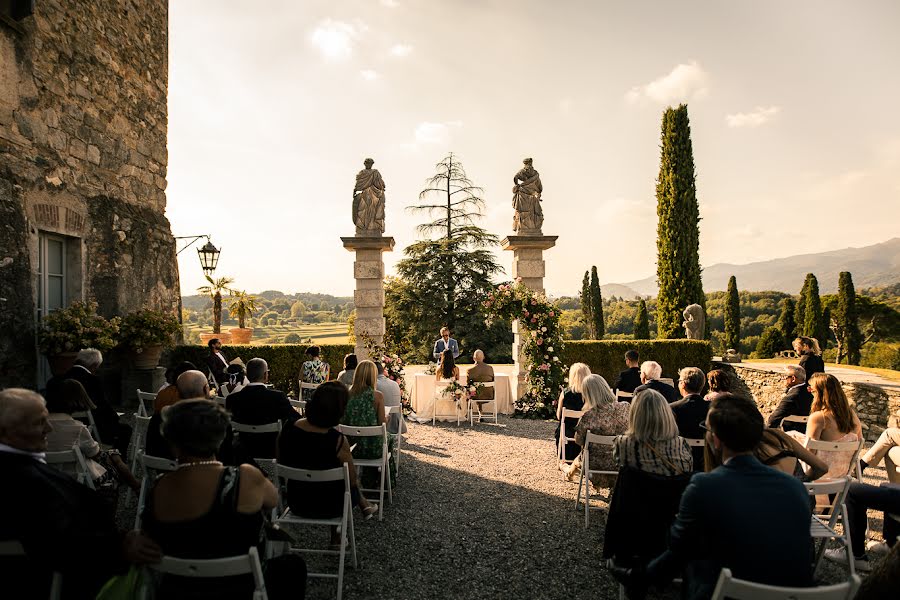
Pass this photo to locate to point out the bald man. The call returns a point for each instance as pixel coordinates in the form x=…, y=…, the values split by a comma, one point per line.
x=63, y=525
x=481, y=371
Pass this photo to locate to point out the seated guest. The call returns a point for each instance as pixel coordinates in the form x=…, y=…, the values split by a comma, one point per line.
x=390, y=389
x=720, y=523
x=216, y=362
x=258, y=405
x=314, y=370
x=796, y=402
x=571, y=399
x=169, y=395
x=651, y=443
x=109, y=428
x=237, y=380
x=888, y=448
x=651, y=371
x=630, y=378
x=603, y=416
x=862, y=497
x=365, y=408
x=107, y=469
x=204, y=509
x=719, y=383
x=481, y=372
x=832, y=420
x=346, y=376
x=810, y=355
x=690, y=411
x=62, y=524
x=779, y=450
x=314, y=443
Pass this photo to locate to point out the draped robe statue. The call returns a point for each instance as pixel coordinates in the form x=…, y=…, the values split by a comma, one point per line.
x=528, y=217
x=368, y=201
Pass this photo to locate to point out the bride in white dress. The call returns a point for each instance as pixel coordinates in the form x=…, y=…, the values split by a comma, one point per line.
x=447, y=373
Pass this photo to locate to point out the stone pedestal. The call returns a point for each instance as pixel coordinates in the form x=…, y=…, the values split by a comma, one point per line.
x=528, y=263
x=368, y=270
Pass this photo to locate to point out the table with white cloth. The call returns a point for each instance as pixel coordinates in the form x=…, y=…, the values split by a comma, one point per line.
x=423, y=388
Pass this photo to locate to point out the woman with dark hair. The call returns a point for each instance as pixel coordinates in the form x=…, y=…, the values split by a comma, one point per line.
x=314, y=370
x=719, y=383
x=314, y=444
x=447, y=370
x=346, y=376
x=810, y=355
x=169, y=395
x=206, y=510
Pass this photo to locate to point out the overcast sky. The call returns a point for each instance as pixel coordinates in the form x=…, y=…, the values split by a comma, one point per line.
x=273, y=107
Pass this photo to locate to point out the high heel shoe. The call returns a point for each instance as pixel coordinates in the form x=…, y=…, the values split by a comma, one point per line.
x=370, y=511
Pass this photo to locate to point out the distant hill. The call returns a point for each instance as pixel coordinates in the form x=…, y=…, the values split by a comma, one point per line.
x=872, y=266
x=620, y=291
x=200, y=302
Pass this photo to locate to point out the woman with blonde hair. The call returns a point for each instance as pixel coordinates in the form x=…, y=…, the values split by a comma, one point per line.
x=652, y=443
x=810, y=355
x=571, y=399
x=831, y=419
x=603, y=416
x=365, y=409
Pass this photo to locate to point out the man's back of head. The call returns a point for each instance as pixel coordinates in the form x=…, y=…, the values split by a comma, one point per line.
x=191, y=385
x=89, y=358
x=692, y=380
x=257, y=370
x=736, y=423
x=632, y=357
x=650, y=370
x=478, y=356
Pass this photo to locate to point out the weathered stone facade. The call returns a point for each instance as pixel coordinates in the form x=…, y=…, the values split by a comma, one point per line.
x=83, y=158
x=877, y=407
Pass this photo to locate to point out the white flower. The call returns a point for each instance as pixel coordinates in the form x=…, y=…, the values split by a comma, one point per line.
x=543, y=329
x=550, y=349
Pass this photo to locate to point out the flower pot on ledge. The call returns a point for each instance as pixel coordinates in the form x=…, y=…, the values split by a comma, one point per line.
x=241, y=335
x=224, y=337
x=149, y=358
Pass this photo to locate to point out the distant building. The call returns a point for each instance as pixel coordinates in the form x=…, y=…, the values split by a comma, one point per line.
x=83, y=160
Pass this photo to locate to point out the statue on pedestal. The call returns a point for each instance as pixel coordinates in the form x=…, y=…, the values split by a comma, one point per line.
x=694, y=322
x=368, y=201
x=528, y=218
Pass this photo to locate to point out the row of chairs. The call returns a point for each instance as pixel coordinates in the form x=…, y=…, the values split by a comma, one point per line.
x=472, y=406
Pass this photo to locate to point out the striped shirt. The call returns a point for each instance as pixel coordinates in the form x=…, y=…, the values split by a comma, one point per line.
x=670, y=453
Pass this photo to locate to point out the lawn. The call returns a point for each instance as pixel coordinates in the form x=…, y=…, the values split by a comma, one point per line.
x=321, y=333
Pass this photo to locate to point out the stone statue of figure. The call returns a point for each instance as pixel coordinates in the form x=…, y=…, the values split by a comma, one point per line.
x=694, y=322
x=528, y=217
x=368, y=201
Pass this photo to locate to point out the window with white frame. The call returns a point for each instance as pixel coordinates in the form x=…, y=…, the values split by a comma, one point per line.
x=52, y=278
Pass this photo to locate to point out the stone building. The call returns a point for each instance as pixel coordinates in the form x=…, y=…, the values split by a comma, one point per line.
x=83, y=158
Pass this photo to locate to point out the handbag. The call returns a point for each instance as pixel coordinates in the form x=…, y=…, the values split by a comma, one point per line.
x=122, y=587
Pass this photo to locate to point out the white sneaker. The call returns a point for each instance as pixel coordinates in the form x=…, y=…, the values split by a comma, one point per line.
x=839, y=555
x=877, y=547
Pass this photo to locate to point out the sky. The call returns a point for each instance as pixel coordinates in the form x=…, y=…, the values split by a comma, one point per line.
x=273, y=107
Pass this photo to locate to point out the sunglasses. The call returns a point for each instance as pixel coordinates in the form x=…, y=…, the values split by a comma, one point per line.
x=705, y=427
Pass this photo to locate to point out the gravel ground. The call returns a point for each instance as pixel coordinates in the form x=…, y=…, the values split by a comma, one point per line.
x=481, y=512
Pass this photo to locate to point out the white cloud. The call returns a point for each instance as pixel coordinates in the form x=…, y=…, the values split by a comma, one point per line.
x=401, y=50
x=369, y=74
x=435, y=133
x=758, y=116
x=684, y=82
x=390, y=3
x=335, y=39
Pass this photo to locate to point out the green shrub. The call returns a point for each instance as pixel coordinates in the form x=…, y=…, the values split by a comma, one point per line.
x=284, y=361
x=292, y=338
x=881, y=355
x=607, y=357
x=770, y=343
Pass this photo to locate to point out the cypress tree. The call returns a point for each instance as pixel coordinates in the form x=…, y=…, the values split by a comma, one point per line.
x=642, y=322
x=678, y=231
x=586, y=305
x=800, y=312
x=733, y=316
x=848, y=317
x=786, y=322
x=596, y=305
x=813, y=321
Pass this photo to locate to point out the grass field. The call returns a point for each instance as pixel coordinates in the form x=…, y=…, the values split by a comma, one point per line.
x=321, y=333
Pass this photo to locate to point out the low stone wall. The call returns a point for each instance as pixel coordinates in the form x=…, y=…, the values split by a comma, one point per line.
x=877, y=408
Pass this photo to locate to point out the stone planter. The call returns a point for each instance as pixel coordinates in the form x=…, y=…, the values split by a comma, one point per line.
x=224, y=337
x=62, y=362
x=149, y=358
x=241, y=335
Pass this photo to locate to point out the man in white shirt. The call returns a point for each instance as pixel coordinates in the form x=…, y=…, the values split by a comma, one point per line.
x=390, y=389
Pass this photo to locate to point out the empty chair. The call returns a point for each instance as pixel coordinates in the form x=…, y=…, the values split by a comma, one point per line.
x=828, y=516
x=586, y=471
x=381, y=463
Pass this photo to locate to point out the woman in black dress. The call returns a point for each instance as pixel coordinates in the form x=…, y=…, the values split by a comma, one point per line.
x=810, y=355
x=571, y=399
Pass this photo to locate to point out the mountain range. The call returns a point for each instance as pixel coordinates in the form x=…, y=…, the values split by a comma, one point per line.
x=871, y=266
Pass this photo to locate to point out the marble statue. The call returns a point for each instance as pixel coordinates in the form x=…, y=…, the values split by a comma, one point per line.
x=368, y=201
x=694, y=322
x=528, y=217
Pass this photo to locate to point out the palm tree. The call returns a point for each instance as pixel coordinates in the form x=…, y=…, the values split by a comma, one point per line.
x=214, y=290
x=241, y=306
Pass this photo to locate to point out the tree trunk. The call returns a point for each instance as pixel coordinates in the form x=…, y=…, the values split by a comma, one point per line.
x=217, y=313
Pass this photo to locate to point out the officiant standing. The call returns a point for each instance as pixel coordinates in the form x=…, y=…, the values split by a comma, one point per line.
x=445, y=343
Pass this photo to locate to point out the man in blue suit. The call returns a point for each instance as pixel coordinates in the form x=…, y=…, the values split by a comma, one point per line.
x=743, y=515
x=445, y=343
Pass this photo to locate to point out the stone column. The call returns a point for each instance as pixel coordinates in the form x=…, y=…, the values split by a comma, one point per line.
x=528, y=263
x=368, y=298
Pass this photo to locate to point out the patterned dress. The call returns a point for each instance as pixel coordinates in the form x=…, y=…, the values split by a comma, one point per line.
x=360, y=412
x=606, y=419
x=313, y=371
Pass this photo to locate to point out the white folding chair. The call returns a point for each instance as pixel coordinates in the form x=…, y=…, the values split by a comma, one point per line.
x=300, y=405
x=476, y=404
x=794, y=419
x=440, y=397
x=396, y=410
x=145, y=399
x=563, y=439
x=220, y=400
x=827, y=517
x=307, y=386
x=855, y=447
x=668, y=381
x=71, y=462
x=382, y=463
x=695, y=442
x=86, y=415
x=739, y=589
x=141, y=424
x=624, y=396
x=152, y=466
x=586, y=472
x=343, y=522
x=15, y=548
x=266, y=465
x=212, y=568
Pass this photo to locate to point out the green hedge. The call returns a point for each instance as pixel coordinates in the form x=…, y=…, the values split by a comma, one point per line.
x=284, y=360
x=607, y=357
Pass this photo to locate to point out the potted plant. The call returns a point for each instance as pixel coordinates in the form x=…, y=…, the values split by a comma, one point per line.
x=145, y=332
x=242, y=306
x=64, y=332
x=214, y=291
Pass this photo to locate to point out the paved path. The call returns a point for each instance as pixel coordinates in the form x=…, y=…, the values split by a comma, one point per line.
x=845, y=374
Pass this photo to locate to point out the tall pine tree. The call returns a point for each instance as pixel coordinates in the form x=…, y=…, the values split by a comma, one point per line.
x=800, y=309
x=642, y=322
x=848, y=317
x=586, y=305
x=786, y=323
x=596, y=305
x=813, y=321
x=733, y=316
x=678, y=231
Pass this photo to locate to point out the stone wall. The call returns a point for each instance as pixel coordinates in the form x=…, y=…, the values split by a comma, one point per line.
x=877, y=407
x=83, y=124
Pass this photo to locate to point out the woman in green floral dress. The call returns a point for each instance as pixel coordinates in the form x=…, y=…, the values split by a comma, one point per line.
x=366, y=409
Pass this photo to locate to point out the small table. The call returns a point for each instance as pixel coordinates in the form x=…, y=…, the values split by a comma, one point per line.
x=423, y=387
